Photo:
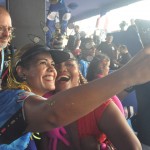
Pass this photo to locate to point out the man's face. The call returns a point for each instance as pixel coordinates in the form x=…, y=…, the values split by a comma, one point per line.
x=5, y=30
x=109, y=39
x=76, y=29
x=92, y=51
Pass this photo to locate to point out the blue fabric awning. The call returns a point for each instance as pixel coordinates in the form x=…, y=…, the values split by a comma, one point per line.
x=82, y=9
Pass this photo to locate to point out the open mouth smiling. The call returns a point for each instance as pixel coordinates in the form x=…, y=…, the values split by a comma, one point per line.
x=49, y=78
x=63, y=78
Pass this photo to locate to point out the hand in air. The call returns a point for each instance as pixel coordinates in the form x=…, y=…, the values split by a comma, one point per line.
x=138, y=69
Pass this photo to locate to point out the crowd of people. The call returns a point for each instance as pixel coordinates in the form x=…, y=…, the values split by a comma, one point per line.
x=46, y=92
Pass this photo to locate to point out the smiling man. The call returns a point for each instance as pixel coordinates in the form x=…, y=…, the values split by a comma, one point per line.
x=5, y=34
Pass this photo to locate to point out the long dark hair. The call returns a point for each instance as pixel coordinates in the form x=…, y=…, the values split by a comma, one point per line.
x=93, y=68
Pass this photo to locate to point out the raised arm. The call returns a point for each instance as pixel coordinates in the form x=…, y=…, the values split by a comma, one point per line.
x=65, y=107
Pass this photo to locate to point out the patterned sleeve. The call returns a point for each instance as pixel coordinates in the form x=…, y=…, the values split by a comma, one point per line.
x=11, y=102
x=22, y=96
x=12, y=123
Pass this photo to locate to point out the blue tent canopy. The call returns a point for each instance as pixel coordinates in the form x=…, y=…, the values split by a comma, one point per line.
x=82, y=9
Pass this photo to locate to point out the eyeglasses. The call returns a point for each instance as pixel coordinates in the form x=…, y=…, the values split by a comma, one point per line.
x=4, y=28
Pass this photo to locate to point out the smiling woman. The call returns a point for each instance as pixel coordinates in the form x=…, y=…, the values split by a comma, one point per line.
x=20, y=109
x=68, y=75
x=36, y=59
x=87, y=132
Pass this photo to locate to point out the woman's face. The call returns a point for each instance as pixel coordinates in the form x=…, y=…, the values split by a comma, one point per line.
x=104, y=66
x=67, y=75
x=41, y=74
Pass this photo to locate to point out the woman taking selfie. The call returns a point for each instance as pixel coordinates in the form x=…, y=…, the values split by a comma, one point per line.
x=22, y=112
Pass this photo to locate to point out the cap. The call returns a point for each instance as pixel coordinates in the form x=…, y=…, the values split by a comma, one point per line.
x=30, y=50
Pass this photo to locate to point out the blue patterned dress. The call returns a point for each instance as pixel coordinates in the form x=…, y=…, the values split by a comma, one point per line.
x=10, y=102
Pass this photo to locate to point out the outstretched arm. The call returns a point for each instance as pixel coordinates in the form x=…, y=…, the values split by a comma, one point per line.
x=67, y=106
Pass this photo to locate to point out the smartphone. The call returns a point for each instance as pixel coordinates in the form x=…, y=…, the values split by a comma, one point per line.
x=143, y=29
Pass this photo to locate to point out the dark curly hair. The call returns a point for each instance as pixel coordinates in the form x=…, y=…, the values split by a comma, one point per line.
x=93, y=68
